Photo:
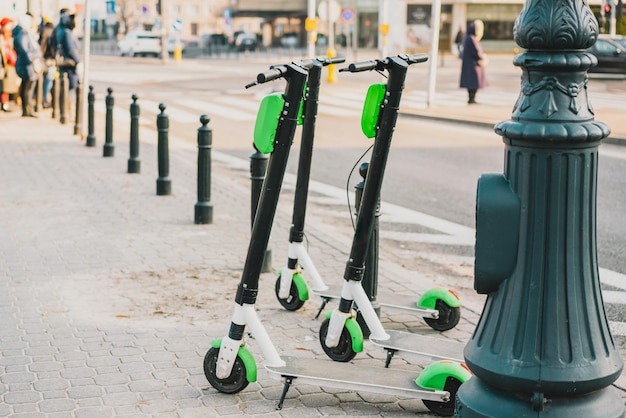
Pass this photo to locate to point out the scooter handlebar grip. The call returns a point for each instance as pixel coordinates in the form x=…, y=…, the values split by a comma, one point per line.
x=356, y=67
x=416, y=58
x=333, y=60
x=272, y=74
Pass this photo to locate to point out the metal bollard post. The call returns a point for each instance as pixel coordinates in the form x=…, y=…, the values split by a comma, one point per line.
x=204, y=208
x=63, y=98
x=56, y=86
x=109, y=149
x=258, y=167
x=163, y=183
x=370, y=274
x=78, y=119
x=91, y=138
x=134, y=164
x=39, y=94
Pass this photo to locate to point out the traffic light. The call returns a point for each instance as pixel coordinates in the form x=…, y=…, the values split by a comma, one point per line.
x=607, y=9
x=158, y=7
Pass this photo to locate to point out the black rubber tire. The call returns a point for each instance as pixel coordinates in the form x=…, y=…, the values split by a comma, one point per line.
x=293, y=302
x=234, y=383
x=449, y=317
x=445, y=409
x=343, y=352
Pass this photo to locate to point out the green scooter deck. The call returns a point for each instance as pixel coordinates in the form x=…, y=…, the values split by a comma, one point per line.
x=355, y=377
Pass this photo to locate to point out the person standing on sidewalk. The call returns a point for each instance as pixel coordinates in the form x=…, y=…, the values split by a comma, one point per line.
x=8, y=57
x=67, y=47
x=29, y=61
x=473, y=61
x=50, y=66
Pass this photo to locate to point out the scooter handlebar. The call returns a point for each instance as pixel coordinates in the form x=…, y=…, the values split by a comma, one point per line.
x=382, y=63
x=273, y=73
x=308, y=63
x=357, y=67
x=415, y=58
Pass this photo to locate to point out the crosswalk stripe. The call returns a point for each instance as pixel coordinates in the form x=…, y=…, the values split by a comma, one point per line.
x=172, y=112
x=614, y=297
x=213, y=109
x=618, y=328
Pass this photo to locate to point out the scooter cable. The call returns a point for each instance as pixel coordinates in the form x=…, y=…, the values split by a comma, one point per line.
x=348, y=185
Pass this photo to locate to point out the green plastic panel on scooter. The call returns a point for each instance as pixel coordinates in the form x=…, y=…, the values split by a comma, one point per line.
x=435, y=375
x=246, y=357
x=355, y=331
x=429, y=298
x=371, y=109
x=267, y=117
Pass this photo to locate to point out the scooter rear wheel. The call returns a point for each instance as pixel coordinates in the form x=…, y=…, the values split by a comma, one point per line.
x=293, y=301
x=449, y=317
x=343, y=352
x=445, y=409
x=234, y=383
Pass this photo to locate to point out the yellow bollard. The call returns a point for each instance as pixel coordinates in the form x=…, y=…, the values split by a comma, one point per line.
x=332, y=77
x=178, y=52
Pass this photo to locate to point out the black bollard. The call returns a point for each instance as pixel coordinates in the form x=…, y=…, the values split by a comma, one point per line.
x=204, y=208
x=258, y=167
x=91, y=138
x=63, y=98
x=164, y=183
x=78, y=111
x=134, y=164
x=370, y=274
x=56, y=83
x=109, y=149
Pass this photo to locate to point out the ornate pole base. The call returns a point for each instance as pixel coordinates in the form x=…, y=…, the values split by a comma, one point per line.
x=477, y=400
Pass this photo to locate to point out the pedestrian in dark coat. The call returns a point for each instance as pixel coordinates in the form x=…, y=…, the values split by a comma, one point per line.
x=68, y=49
x=473, y=61
x=28, y=64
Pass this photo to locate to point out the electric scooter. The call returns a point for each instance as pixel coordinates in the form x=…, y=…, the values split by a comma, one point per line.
x=440, y=307
x=340, y=334
x=229, y=366
x=291, y=289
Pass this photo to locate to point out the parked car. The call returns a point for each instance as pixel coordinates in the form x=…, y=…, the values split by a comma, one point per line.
x=170, y=44
x=245, y=41
x=611, y=56
x=140, y=43
x=214, y=43
x=289, y=40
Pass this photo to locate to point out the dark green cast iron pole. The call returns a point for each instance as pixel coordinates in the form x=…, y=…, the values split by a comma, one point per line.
x=542, y=346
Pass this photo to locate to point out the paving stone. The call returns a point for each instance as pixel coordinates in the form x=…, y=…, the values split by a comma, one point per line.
x=17, y=378
x=83, y=392
x=57, y=405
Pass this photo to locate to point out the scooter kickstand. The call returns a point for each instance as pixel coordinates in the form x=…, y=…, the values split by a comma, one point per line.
x=390, y=353
x=325, y=300
x=288, y=381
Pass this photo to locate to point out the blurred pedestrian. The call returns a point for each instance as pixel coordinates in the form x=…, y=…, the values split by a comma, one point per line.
x=458, y=41
x=474, y=61
x=50, y=66
x=8, y=57
x=67, y=47
x=29, y=62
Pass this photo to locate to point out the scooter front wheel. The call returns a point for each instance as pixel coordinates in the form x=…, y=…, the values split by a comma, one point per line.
x=234, y=383
x=449, y=317
x=445, y=409
x=343, y=352
x=293, y=301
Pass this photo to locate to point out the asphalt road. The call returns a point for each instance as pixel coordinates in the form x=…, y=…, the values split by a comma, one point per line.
x=433, y=167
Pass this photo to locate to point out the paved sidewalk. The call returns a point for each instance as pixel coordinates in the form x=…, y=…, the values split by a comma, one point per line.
x=110, y=295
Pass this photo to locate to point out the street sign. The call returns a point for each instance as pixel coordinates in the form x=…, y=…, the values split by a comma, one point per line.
x=329, y=13
x=177, y=25
x=347, y=15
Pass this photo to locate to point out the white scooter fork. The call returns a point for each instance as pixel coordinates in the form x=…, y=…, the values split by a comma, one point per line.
x=353, y=291
x=298, y=255
x=245, y=315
